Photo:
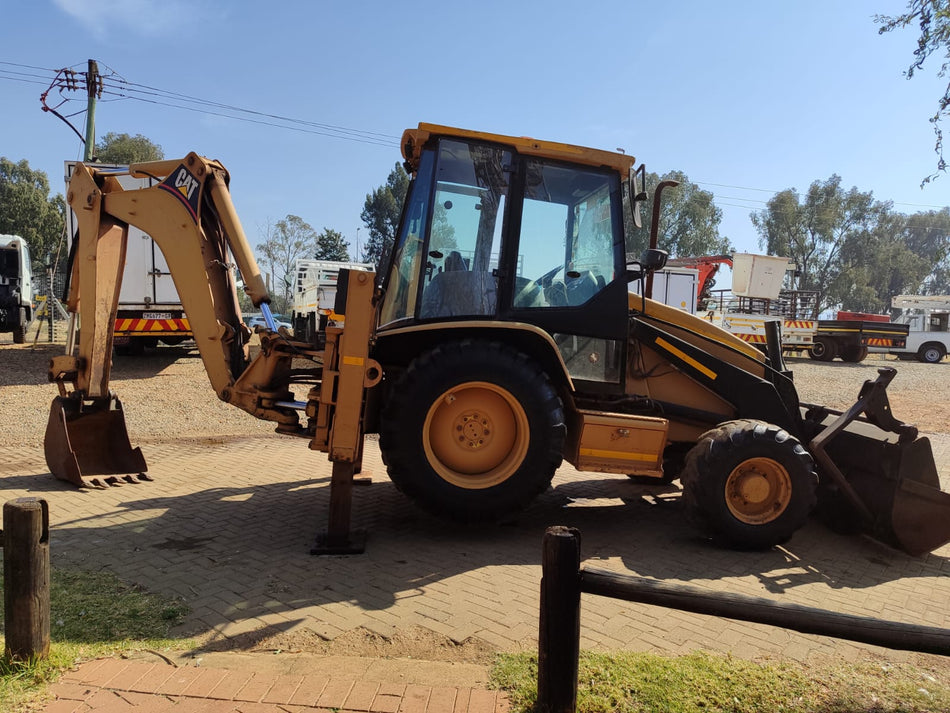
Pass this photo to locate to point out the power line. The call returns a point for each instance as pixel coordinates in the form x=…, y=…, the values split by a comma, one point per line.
x=152, y=91
x=261, y=122
x=117, y=88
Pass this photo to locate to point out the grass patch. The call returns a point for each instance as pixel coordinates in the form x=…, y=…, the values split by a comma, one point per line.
x=645, y=683
x=91, y=615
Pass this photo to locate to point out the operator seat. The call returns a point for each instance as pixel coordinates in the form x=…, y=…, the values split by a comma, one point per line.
x=459, y=292
x=454, y=262
x=581, y=288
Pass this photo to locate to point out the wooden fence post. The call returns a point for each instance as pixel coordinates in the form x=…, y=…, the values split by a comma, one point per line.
x=560, y=620
x=26, y=578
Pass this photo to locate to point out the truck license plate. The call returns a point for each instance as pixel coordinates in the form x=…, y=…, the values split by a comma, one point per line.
x=156, y=315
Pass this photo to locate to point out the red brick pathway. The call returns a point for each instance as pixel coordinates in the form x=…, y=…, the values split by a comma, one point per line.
x=118, y=686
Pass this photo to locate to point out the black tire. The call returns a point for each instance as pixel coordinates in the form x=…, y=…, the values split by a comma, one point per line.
x=931, y=353
x=472, y=431
x=749, y=484
x=19, y=332
x=854, y=353
x=823, y=349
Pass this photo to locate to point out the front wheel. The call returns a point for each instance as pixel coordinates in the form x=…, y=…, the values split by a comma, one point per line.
x=749, y=484
x=472, y=431
x=823, y=349
x=19, y=331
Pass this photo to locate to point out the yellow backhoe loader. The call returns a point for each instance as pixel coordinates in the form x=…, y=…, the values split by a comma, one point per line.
x=500, y=340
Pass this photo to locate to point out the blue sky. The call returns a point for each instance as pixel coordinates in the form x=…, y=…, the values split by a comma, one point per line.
x=747, y=98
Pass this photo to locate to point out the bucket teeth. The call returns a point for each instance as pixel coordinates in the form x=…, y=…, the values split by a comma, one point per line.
x=87, y=443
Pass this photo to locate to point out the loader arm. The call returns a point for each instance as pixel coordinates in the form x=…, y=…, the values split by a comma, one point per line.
x=190, y=216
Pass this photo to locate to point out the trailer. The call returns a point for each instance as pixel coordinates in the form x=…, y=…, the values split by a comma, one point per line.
x=851, y=335
x=149, y=310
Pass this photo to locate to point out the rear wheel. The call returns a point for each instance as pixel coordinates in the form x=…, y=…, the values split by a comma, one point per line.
x=472, y=431
x=854, y=353
x=931, y=353
x=749, y=484
x=19, y=331
x=823, y=349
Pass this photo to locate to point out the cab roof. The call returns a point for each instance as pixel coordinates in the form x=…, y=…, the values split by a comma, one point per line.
x=413, y=141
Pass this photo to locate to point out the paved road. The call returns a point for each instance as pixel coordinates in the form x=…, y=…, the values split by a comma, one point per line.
x=227, y=527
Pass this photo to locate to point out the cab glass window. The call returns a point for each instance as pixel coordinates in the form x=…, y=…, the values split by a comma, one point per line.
x=400, y=298
x=566, y=246
x=471, y=191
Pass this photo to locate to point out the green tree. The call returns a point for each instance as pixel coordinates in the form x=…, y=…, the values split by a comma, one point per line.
x=879, y=264
x=933, y=19
x=332, y=246
x=27, y=210
x=124, y=149
x=284, y=243
x=381, y=213
x=689, y=220
x=814, y=229
x=927, y=235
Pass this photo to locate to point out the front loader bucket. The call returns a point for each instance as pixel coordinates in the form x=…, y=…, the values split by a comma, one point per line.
x=920, y=516
x=896, y=485
x=877, y=474
x=88, y=438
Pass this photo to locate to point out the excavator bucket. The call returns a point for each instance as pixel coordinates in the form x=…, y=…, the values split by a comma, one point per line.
x=882, y=476
x=88, y=439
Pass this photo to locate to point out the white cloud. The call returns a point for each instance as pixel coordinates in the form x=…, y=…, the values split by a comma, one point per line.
x=149, y=18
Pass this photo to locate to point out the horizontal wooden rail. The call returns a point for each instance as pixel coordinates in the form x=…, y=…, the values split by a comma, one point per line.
x=563, y=580
x=808, y=620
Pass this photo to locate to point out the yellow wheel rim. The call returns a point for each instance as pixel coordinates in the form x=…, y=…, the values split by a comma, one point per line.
x=476, y=435
x=758, y=490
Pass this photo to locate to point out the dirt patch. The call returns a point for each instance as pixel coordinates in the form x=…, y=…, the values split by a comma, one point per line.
x=414, y=643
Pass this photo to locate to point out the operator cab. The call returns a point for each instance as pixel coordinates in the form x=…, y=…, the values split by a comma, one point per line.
x=513, y=232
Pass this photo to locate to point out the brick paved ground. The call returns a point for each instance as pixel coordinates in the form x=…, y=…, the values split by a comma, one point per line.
x=227, y=528
x=114, y=686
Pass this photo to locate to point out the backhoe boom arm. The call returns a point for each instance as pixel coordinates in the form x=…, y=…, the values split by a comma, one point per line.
x=191, y=218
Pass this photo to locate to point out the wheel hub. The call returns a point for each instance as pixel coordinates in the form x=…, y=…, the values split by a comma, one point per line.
x=758, y=490
x=474, y=430
x=753, y=487
x=476, y=435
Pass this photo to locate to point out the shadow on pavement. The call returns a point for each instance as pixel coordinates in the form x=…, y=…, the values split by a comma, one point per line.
x=240, y=552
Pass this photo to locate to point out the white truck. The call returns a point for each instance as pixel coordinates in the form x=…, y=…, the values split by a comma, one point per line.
x=757, y=297
x=315, y=295
x=16, y=287
x=674, y=286
x=150, y=310
x=928, y=317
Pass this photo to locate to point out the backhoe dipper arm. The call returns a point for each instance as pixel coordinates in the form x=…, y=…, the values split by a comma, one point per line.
x=192, y=219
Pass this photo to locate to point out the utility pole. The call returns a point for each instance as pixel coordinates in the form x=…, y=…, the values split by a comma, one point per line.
x=93, y=89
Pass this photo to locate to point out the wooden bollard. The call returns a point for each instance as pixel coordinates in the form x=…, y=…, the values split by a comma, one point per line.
x=26, y=578
x=560, y=620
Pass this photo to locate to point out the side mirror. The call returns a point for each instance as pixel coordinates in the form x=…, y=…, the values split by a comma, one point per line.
x=653, y=259
x=638, y=194
x=635, y=271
